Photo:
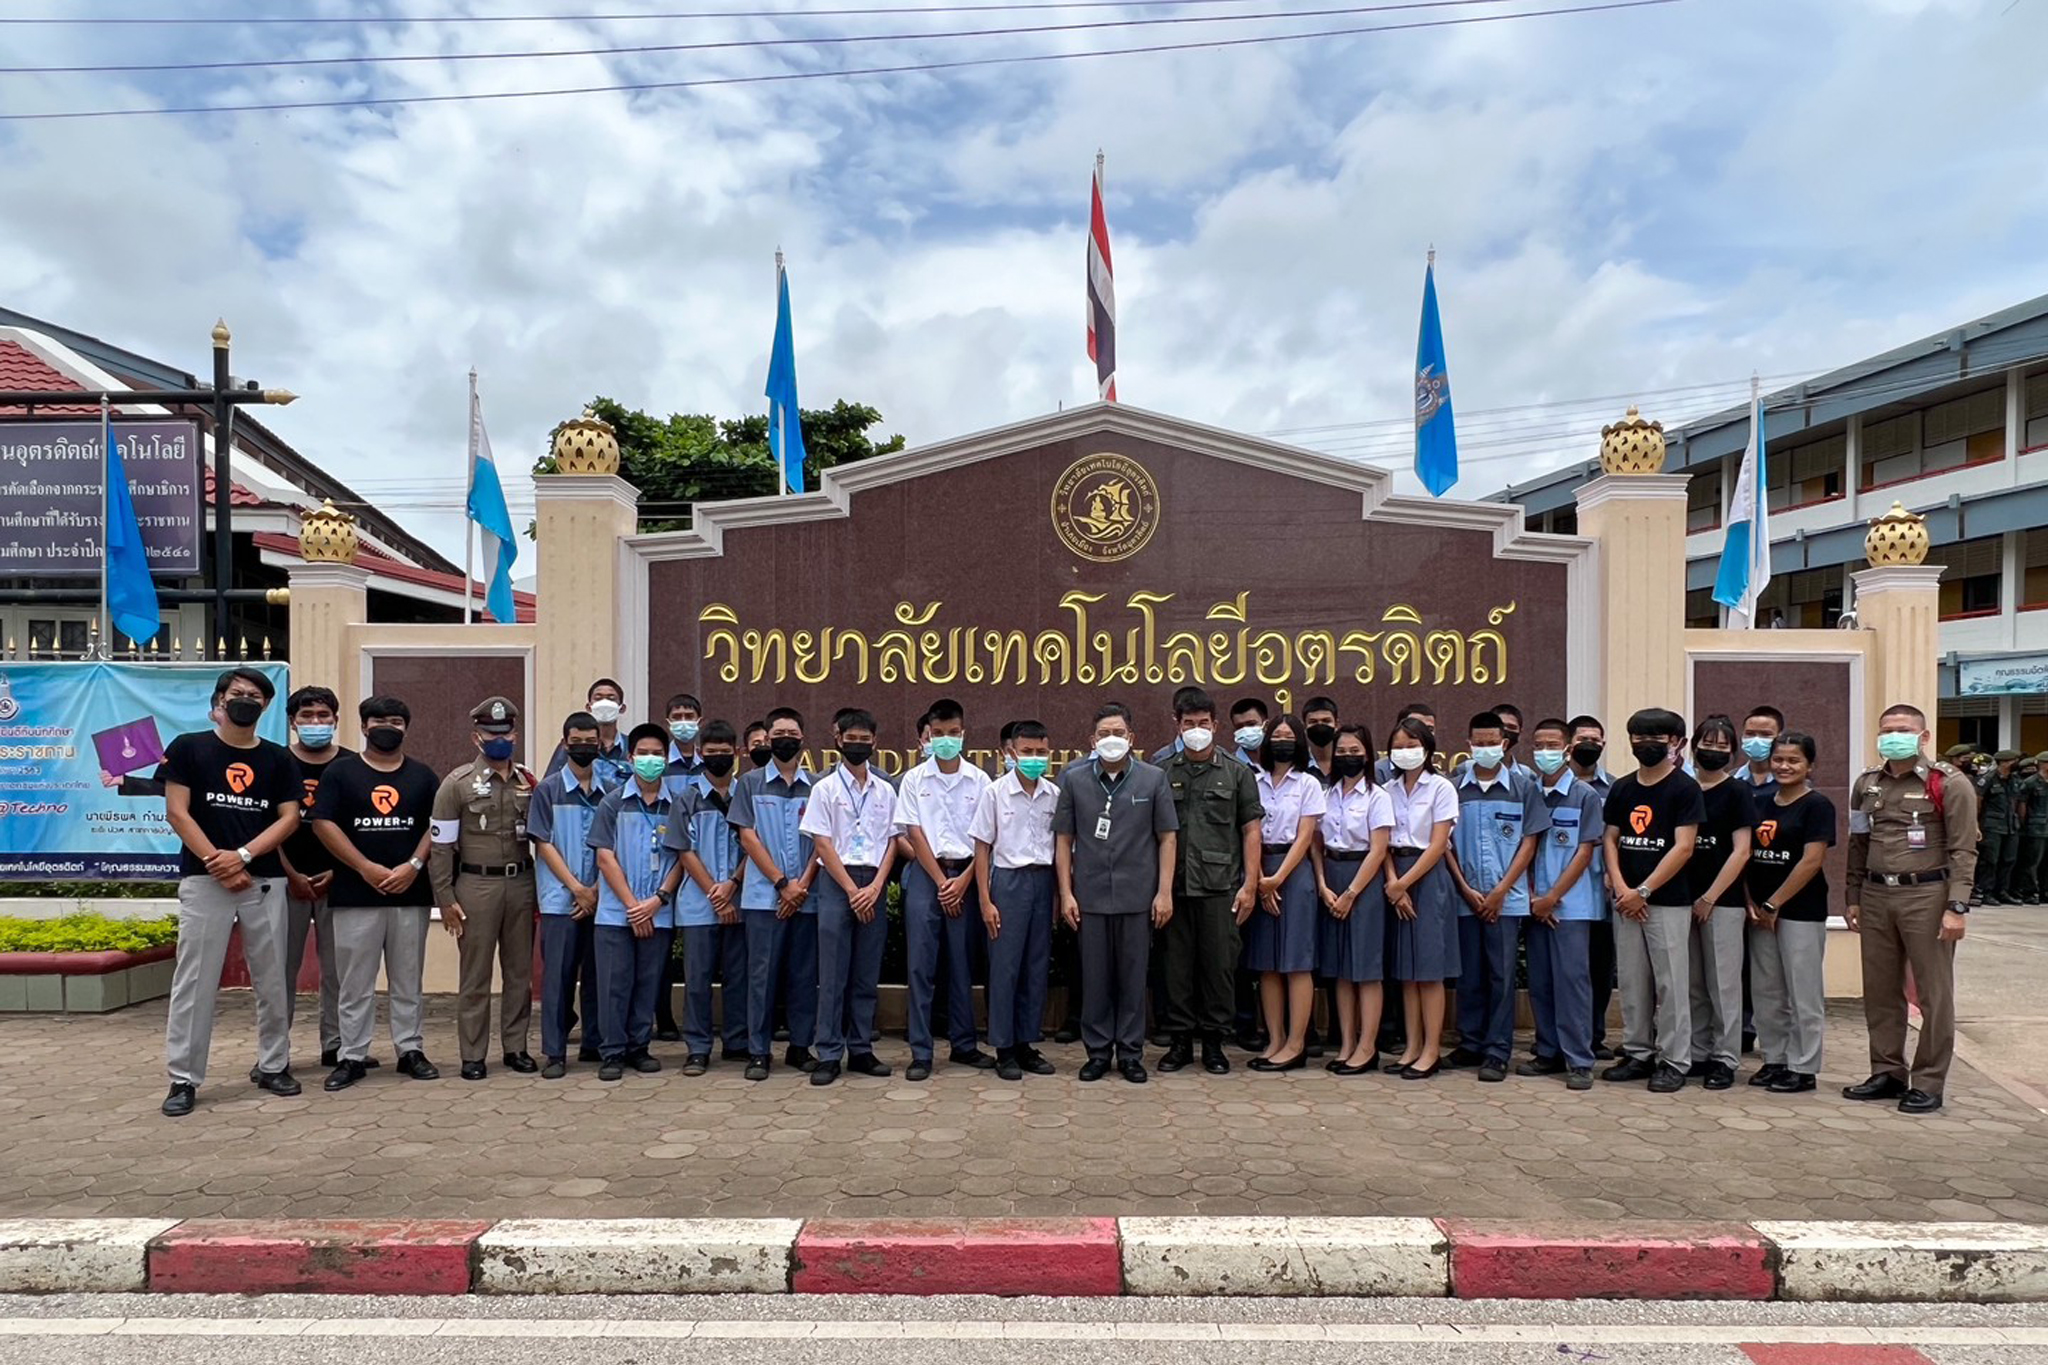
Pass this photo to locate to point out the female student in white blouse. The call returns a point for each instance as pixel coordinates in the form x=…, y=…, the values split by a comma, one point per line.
x=1350, y=851
x=1420, y=894
x=1280, y=940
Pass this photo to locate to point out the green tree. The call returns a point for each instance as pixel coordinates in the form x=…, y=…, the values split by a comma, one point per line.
x=688, y=458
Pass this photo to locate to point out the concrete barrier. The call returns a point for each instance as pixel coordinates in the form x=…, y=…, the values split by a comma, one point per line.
x=1341, y=1257
x=77, y=1255
x=233, y=1256
x=1910, y=1262
x=1539, y=1259
x=637, y=1256
x=1005, y=1256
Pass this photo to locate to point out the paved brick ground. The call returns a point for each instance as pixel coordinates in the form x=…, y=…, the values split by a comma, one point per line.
x=78, y=1101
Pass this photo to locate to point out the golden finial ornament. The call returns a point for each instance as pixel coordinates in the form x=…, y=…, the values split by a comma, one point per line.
x=1632, y=446
x=220, y=335
x=1897, y=538
x=327, y=536
x=586, y=445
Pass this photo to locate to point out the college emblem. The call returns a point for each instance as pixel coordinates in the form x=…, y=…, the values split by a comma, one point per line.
x=1105, y=507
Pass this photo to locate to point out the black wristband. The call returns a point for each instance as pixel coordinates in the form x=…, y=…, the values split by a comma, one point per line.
x=782, y=881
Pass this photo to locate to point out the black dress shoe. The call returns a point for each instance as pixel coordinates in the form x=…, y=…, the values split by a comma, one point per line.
x=1297, y=1063
x=1918, y=1102
x=1602, y=1053
x=781, y=1034
x=179, y=1102
x=696, y=1064
x=1792, y=1083
x=824, y=1073
x=1462, y=1056
x=416, y=1065
x=799, y=1058
x=1493, y=1073
x=1876, y=1088
x=344, y=1075
x=612, y=1069
x=1094, y=1069
x=521, y=1062
x=1181, y=1054
x=556, y=1068
x=1158, y=1038
x=1669, y=1080
x=474, y=1071
x=1411, y=1072
x=867, y=1064
x=1034, y=1062
x=1629, y=1069
x=973, y=1057
x=1134, y=1071
x=1719, y=1076
x=918, y=1070
x=646, y=1063
x=1007, y=1068
x=1541, y=1066
x=1698, y=1070
x=757, y=1067
x=1068, y=1035
x=1366, y=1067
x=277, y=1082
x=668, y=1033
x=1768, y=1072
x=1213, y=1060
x=732, y=1054
x=329, y=1057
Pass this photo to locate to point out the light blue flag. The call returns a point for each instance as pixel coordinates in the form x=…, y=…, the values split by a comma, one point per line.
x=1746, y=554
x=493, y=519
x=1436, y=434
x=785, y=422
x=131, y=592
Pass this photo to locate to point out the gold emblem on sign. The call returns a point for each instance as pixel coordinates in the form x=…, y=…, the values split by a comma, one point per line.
x=1105, y=507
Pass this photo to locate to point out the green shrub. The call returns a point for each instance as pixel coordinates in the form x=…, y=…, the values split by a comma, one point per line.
x=85, y=934
x=90, y=891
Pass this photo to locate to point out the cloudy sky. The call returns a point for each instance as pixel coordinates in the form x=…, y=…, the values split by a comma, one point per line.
x=1648, y=202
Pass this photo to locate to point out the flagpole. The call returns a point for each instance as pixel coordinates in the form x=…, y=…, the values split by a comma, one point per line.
x=1759, y=518
x=106, y=645
x=781, y=413
x=469, y=523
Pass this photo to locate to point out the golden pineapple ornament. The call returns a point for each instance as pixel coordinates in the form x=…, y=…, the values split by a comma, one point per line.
x=328, y=536
x=586, y=445
x=1898, y=537
x=1632, y=446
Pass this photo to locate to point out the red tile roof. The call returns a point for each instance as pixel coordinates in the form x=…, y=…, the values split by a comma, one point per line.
x=383, y=566
x=238, y=496
x=21, y=368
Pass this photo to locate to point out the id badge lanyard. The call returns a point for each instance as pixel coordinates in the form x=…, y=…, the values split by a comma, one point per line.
x=859, y=849
x=1108, y=805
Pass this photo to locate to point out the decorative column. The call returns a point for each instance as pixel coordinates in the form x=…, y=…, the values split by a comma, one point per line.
x=1898, y=600
x=328, y=595
x=580, y=512
x=1637, y=514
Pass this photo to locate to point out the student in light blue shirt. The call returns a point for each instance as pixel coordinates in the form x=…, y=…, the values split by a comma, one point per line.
x=1501, y=816
x=1567, y=910
x=776, y=907
x=558, y=820
x=635, y=904
x=708, y=906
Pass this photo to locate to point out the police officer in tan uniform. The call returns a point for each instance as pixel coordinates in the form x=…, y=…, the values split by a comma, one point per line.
x=1912, y=857
x=482, y=868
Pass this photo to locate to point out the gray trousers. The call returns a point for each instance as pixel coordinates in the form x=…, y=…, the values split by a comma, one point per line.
x=1716, y=977
x=301, y=916
x=1789, y=993
x=849, y=970
x=207, y=915
x=1656, y=984
x=1115, y=952
x=367, y=937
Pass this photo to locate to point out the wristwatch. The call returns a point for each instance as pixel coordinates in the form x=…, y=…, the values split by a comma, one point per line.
x=1769, y=909
x=665, y=897
x=243, y=854
x=782, y=881
x=417, y=865
x=1959, y=907
x=1644, y=891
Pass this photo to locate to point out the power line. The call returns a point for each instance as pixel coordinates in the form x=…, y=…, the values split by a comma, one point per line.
x=903, y=68
x=296, y=20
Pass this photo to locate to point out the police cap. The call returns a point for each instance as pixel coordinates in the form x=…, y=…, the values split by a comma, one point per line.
x=495, y=716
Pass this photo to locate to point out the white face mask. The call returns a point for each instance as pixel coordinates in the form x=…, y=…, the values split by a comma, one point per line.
x=1407, y=760
x=1197, y=740
x=604, y=712
x=1112, y=748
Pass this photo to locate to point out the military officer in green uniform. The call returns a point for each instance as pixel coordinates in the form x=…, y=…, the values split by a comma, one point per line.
x=482, y=868
x=1912, y=855
x=2026, y=876
x=1215, y=886
x=1998, y=817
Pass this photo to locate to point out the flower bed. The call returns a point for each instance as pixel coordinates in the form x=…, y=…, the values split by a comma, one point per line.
x=84, y=963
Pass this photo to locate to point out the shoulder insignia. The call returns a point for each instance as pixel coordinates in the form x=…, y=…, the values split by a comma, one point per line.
x=1943, y=767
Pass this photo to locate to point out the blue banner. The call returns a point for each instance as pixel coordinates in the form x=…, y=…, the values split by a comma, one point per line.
x=79, y=748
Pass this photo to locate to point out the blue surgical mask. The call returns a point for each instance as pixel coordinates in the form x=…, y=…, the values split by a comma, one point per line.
x=498, y=750
x=946, y=748
x=1250, y=737
x=1009, y=763
x=685, y=731
x=316, y=736
x=1487, y=755
x=1548, y=761
x=1756, y=748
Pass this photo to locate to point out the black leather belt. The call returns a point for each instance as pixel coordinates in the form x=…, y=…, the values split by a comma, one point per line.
x=497, y=869
x=1400, y=852
x=953, y=867
x=1907, y=878
x=1278, y=848
x=1344, y=855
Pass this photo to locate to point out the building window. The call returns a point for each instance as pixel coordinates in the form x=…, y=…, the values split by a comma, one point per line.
x=1701, y=611
x=1964, y=431
x=2036, y=434
x=2033, y=569
x=1703, y=500
x=1800, y=476
x=1973, y=577
x=1809, y=599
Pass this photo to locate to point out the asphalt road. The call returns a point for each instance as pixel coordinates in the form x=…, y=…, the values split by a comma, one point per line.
x=854, y=1331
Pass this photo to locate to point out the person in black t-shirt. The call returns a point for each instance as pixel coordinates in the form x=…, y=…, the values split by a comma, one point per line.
x=374, y=813
x=233, y=799
x=1720, y=907
x=1788, y=919
x=1653, y=817
x=308, y=867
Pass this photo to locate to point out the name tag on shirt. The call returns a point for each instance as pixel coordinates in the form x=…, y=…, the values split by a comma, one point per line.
x=1916, y=836
x=1102, y=827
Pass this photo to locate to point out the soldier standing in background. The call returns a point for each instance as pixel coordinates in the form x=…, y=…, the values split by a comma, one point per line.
x=2025, y=886
x=1998, y=821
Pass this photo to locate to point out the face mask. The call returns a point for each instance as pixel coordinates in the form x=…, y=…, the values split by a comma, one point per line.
x=924, y=748
x=497, y=748
x=718, y=765
x=1033, y=768
x=1250, y=737
x=384, y=739
x=1009, y=763
x=583, y=755
x=650, y=767
x=1549, y=761
x=1348, y=765
x=685, y=731
x=1650, y=752
x=856, y=754
x=1320, y=735
x=1711, y=760
x=604, y=712
x=1487, y=755
x=759, y=755
x=1197, y=740
x=1891, y=747
x=242, y=710
x=1756, y=748
x=946, y=748
x=785, y=747
x=316, y=736
x=1586, y=753
x=1281, y=751
x=1112, y=748
x=1407, y=760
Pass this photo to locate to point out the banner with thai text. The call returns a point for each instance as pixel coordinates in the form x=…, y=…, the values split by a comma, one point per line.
x=53, y=495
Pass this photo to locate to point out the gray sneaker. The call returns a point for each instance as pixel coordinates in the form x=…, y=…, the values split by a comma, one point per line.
x=1579, y=1078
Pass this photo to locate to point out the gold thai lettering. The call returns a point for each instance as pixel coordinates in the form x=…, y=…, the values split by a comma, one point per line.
x=719, y=614
x=896, y=650
x=1400, y=648
x=1480, y=638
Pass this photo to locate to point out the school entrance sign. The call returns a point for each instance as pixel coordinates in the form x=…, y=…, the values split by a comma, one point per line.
x=1107, y=553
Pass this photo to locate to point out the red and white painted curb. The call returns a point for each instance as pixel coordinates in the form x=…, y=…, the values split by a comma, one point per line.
x=1194, y=1256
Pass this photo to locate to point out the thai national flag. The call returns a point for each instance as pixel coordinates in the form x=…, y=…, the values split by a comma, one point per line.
x=1101, y=297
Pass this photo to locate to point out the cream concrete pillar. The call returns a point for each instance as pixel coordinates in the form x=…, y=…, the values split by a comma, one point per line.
x=579, y=520
x=327, y=599
x=1901, y=606
x=1639, y=521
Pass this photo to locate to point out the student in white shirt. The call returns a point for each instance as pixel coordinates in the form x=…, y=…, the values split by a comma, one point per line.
x=935, y=809
x=1420, y=893
x=851, y=819
x=1013, y=867
x=1350, y=853
x=1280, y=939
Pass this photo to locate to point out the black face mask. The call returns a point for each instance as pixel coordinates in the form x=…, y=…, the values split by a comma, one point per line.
x=384, y=739
x=1348, y=765
x=242, y=710
x=856, y=754
x=583, y=755
x=718, y=765
x=1586, y=753
x=759, y=755
x=1320, y=735
x=1650, y=752
x=785, y=748
x=1279, y=751
x=1711, y=760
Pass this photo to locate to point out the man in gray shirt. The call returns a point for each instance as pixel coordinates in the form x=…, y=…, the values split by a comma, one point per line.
x=1114, y=839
